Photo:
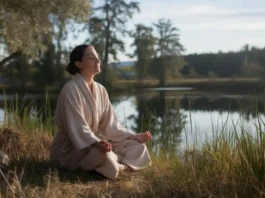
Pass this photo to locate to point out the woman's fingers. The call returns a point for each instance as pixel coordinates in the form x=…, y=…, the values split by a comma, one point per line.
x=149, y=136
x=106, y=146
x=109, y=147
x=142, y=137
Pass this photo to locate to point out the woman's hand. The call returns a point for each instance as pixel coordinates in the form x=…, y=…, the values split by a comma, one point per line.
x=142, y=137
x=103, y=146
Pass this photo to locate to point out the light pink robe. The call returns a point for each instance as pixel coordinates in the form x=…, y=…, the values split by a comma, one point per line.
x=84, y=118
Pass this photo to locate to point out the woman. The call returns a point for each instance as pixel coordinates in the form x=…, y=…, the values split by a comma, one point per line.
x=89, y=134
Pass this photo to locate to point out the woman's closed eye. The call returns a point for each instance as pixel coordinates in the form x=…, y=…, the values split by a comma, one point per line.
x=92, y=57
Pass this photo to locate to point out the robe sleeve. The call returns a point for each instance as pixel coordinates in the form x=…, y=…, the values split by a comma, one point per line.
x=78, y=130
x=110, y=126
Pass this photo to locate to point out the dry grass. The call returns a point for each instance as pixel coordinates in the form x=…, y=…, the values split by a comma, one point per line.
x=31, y=175
x=229, y=166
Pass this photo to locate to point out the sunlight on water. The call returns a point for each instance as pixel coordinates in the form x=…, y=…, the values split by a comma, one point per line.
x=200, y=125
x=169, y=89
x=2, y=114
x=124, y=109
x=205, y=125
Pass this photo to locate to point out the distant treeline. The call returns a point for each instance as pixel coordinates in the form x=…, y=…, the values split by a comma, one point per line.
x=244, y=63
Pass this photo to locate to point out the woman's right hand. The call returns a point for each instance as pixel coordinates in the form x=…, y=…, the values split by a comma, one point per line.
x=142, y=137
x=104, y=146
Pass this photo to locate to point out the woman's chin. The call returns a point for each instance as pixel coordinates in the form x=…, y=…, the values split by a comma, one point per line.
x=98, y=71
x=95, y=70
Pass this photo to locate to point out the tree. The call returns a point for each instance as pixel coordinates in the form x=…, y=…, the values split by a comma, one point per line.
x=211, y=74
x=46, y=72
x=23, y=69
x=251, y=68
x=168, y=50
x=144, y=48
x=193, y=73
x=24, y=22
x=112, y=17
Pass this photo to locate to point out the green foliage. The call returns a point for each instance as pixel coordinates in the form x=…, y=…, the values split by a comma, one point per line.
x=110, y=18
x=46, y=70
x=19, y=71
x=251, y=69
x=168, y=39
x=144, y=42
x=211, y=74
x=193, y=73
x=29, y=117
x=245, y=63
x=168, y=49
x=24, y=22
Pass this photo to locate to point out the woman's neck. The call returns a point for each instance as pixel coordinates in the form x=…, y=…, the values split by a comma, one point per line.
x=88, y=78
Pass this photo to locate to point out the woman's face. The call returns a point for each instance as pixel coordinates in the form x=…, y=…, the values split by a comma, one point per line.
x=90, y=63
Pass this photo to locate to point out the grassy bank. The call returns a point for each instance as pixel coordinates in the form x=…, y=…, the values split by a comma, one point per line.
x=229, y=165
x=203, y=84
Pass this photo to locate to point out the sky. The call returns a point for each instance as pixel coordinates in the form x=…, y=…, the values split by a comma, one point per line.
x=206, y=25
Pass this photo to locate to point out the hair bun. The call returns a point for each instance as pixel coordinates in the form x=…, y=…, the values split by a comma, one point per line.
x=71, y=68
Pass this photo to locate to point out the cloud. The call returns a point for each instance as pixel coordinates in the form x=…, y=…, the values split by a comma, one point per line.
x=208, y=10
x=171, y=11
x=204, y=16
x=227, y=25
x=205, y=10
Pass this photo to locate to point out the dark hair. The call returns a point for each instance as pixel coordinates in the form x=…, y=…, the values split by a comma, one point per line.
x=76, y=55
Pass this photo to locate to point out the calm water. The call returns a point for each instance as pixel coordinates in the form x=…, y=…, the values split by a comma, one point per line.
x=178, y=117
x=193, y=116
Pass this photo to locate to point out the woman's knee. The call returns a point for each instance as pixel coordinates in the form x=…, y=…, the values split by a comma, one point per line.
x=93, y=159
x=110, y=167
x=138, y=145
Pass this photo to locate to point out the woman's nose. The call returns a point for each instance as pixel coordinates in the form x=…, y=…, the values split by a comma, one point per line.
x=97, y=60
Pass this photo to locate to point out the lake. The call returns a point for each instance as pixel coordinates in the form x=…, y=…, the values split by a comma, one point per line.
x=178, y=117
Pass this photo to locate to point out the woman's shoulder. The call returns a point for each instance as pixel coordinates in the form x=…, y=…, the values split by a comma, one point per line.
x=70, y=84
x=100, y=87
x=69, y=87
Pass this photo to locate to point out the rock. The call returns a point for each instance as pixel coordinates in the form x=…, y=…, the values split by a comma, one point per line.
x=4, y=160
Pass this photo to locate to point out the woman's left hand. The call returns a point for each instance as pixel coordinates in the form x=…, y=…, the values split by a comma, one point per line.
x=142, y=137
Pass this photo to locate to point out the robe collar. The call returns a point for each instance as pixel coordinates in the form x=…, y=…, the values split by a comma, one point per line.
x=91, y=98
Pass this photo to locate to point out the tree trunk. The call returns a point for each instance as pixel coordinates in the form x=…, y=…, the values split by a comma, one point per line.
x=104, y=78
x=58, y=55
x=105, y=60
x=162, y=73
x=10, y=57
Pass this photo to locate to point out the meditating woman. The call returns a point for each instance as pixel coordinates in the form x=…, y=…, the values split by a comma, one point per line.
x=89, y=134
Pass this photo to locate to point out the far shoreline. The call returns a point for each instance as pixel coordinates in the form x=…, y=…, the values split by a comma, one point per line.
x=238, y=85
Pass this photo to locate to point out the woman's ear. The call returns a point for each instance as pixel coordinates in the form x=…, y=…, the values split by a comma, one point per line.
x=78, y=64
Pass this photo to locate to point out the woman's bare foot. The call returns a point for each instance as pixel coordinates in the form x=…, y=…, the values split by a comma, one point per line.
x=124, y=167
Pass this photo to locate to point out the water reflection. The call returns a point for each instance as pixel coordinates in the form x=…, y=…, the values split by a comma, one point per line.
x=176, y=119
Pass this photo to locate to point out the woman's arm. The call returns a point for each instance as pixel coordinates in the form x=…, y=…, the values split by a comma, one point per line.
x=70, y=110
x=112, y=129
